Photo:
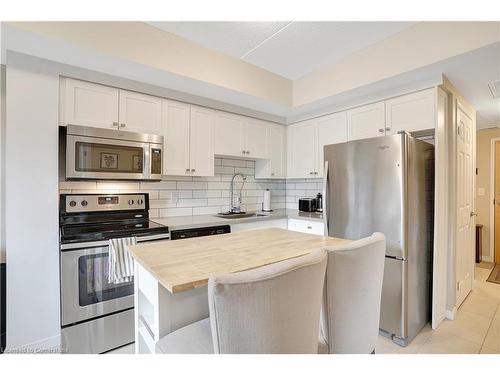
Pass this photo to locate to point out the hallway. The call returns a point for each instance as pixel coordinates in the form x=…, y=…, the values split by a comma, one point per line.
x=476, y=328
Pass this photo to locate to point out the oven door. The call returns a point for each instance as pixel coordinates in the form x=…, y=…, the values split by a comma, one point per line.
x=85, y=291
x=102, y=158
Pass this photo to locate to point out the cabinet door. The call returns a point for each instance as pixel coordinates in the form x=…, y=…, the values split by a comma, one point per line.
x=366, y=122
x=275, y=166
x=140, y=113
x=175, y=125
x=301, y=145
x=411, y=112
x=331, y=129
x=277, y=146
x=201, y=158
x=256, y=143
x=88, y=104
x=229, y=134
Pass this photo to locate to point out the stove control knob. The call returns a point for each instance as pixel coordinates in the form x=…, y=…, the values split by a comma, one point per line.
x=84, y=203
x=72, y=204
x=131, y=202
x=140, y=201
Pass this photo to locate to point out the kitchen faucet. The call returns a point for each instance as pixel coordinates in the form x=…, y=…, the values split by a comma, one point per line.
x=236, y=208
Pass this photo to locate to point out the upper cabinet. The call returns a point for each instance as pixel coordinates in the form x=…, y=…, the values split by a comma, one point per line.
x=330, y=129
x=256, y=138
x=412, y=112
x=275, y=166
x=241, y=136
x=139, y=112
x=189, y=139
x=301, y=150
x=201, y=141
x=229, y=134
x=175, y=125
x=306, y=141
x=366, y=122
x=88, y=104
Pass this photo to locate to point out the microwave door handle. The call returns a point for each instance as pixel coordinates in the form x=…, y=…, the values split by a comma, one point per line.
x=146, y=161
x=326, y=213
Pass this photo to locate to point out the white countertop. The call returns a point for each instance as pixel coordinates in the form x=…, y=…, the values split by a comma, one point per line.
x=196, y=221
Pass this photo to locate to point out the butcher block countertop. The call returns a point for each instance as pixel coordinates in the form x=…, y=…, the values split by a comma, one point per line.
x=187, y=264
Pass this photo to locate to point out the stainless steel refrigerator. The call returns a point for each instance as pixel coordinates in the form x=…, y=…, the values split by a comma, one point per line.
x=386, y=184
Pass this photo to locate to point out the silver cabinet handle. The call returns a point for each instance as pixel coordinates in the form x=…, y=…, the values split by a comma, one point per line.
x=122, y=125
x=473, y=214
x=272, y=174
x=381, y=130
x=248, y=152
x=115, y=124
x=187, y=170
x=309, y=227
x=192, y=170
x=243, y=152
x=388, y=129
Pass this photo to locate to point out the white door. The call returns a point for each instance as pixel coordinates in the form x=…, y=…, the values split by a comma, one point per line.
x=301, y=146
x=88, y=104
x=411, y=112
x=256, y=142
x=175, y=125
x=229, y=134
x=465, y=220
x=201, y=158
x=331, y=129
x=366, y=122
x=140, y=113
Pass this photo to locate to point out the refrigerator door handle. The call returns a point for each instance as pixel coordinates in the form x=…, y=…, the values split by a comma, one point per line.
x=326, y=213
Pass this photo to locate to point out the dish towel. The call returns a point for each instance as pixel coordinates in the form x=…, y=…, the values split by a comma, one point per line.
x=120, y=262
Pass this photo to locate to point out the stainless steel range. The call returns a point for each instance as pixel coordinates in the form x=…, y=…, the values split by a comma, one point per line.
x=97, y=316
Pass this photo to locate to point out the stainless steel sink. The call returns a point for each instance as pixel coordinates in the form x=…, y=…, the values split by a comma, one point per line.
x=239, y=215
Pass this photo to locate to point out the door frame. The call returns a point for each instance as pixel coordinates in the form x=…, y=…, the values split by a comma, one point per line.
x=492, y=197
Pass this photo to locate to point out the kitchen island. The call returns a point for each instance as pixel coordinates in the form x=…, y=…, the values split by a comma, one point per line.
x=171, y=277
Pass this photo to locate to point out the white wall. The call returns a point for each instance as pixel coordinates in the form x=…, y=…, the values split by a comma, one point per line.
x=32, y=203
x=2, y=163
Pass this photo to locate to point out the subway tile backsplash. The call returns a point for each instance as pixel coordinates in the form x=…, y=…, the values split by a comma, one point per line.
x=185, y=195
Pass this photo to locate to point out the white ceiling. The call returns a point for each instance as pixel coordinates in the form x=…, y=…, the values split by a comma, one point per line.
x=289, y=49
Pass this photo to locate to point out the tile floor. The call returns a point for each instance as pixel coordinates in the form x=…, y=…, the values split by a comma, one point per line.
x=476, y=328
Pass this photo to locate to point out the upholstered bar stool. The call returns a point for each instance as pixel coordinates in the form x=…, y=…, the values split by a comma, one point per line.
x=350, y=314
x=271, y=309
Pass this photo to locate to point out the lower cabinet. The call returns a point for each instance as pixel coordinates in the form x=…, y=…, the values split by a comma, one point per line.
x=306, y=226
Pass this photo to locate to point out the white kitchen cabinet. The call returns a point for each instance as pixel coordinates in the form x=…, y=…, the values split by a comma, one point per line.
x=201, y=144
x=412, y=112
x=189, y=139
x=366, y=122
x=274, y=223
x=88, y=104
x=275, y=166
x=301, y=150
x=330, y=129
x=306, y=226
x=229, y=134
x=306, y=141
x=140, y=113
x=256, y=139
x=175, y=125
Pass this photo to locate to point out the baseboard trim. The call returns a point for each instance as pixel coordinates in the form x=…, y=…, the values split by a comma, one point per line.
x=450, y=314
x=46, y=345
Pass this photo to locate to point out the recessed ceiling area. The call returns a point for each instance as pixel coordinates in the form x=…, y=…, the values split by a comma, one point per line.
x=289, y=49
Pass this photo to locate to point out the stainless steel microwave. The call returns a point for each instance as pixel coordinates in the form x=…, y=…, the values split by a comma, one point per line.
x=105, y=154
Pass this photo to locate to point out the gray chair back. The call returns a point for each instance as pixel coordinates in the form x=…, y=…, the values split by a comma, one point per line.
x=352, y=294
x=271, y=309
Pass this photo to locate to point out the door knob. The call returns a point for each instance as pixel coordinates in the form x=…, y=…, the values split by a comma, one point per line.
x=472, y=213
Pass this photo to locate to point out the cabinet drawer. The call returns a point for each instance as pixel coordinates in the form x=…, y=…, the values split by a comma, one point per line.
x=306, y=226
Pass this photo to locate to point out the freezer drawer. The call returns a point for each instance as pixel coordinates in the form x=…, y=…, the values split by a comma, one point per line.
x=392, y=308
